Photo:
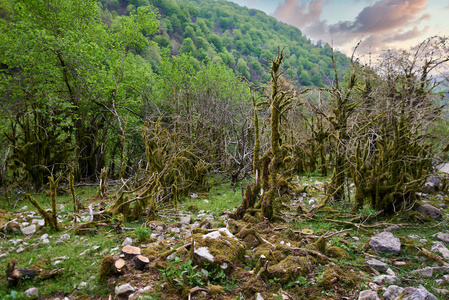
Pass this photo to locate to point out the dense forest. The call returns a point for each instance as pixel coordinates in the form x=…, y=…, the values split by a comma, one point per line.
x=172, y=92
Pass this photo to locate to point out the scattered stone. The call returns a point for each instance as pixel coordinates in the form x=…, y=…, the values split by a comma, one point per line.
x=378, y=265
x=446, y=277
x=372, y=286
x=38, y=222
x=386, y=279
x=3, y=255
x=82, y=285
x=413, y=293
x=175, y=230
x=442, y=205
x=20, y=249
x=202, y=255
x=439, y=247
x=368, y=295
x=186, y=219
x=45, y=241
x=32, y=293
x=64, y=236
x=385, y=242
x=44, y=236
x=127, y=242
x=393, y=292
x=29, y=230
x=431, y=211
x=426, y=272
x=390, y=272
x=124, y=289
x=444, y=237
x=414, y=236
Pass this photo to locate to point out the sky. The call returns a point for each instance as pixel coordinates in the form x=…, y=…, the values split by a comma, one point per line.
x=380, y=24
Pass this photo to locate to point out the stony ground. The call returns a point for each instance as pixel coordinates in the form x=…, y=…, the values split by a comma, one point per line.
x=195, y=253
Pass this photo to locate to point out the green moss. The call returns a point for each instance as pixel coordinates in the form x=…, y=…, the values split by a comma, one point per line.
x=336, y=252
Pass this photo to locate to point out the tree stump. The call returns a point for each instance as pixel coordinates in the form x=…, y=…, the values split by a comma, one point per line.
x=119, y=266
x=141, y=262
x=130, y=251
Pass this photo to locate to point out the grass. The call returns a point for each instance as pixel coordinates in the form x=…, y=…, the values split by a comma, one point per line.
x=85, y=253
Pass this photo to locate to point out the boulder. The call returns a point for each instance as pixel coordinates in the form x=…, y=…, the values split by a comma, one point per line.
x=378, y=265
x=439, y=247
x=368, y=295
x=444, y=237
x=430, y=210
x=385, y=242
x=420, y=293
x=392, y=292
x=29, y=229
x=218, y=248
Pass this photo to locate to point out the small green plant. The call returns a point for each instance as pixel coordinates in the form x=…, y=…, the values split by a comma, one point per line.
x=11, y=295
x=143, y=233
x=178, y=274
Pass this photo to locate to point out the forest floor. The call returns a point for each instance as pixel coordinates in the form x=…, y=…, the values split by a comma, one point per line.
x=326, y=256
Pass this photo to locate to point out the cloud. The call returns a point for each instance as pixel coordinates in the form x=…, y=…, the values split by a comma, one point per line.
x=379, y=23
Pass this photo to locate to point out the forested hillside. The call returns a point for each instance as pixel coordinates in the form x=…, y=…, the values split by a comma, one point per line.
x=241, y=38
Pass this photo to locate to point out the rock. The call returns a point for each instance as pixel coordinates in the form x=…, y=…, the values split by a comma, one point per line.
x=413, y=293
x=259, y=297
x=439, y=247
x=385, y=279
x=385, y=242
x=446, y=277
x=203, y=255
x=38, y=222
x=391, y=228
x=186, y=219
x=392, y=292
x=390, y=272
x=32, y=293
x=431, y=211
x=368, y=295
x=444, y=237
x=29, y=230
x=45, y=241
x=442, y=205
x=414, y=236
x=426, y=272
x=82, y=285
x=378, y=265
x=124, y=289
x=20, y=249
x=127, y=242
x=64, y=236
x=44, y=236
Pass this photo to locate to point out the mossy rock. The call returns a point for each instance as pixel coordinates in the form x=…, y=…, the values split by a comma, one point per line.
x=217, y=249
x=337, y=276
x=336, y=252
x=106, y=268
x=290, y=267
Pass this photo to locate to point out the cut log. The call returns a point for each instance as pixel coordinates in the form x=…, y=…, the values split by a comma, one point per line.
x=15, y=275
x=130, y=251
x=119, y=266
x=141, y=262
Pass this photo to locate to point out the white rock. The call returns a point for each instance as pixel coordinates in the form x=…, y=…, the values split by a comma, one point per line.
x=368, y=295
x=390, y=272
x=393, y=292
x=439, y=247
x=20, y=249
x=45, y=241
x=123, y=289
x=259, y=297
x=127, y=242
x=203, y=254
x=385, y=279
x=82, y=285
x=186, y=219
x=206, y=201
x=29, y=229
x=44, y=236
x=32, y=293
x=38, y=222
x=385, y=242
x=64, y=236
x=420, y=293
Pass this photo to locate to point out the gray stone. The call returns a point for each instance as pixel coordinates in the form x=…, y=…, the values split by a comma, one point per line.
x=439, y=247
x=124, y=289
x=391, y=228
x=413, y=293
x=431, y=211
x=3, y=255
x=82, y=285
x=44, y=236
x=20, y=249
x=186, y=219
x=368, y=295
x=32, y=293
x=29, y=230
x=127, y=242
x=393, y=292
x=385, y=242
x=45, y=241
x=175, y=230
x=390, y=272
x=414, y=236
x=446, y=277
x=442, y=205
x=435, y=181
x=444, y=237
x=378, y=265
x=64, y=236
x=426, y=272
x=386, y=279
x=38, y=222
x=203, y=254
